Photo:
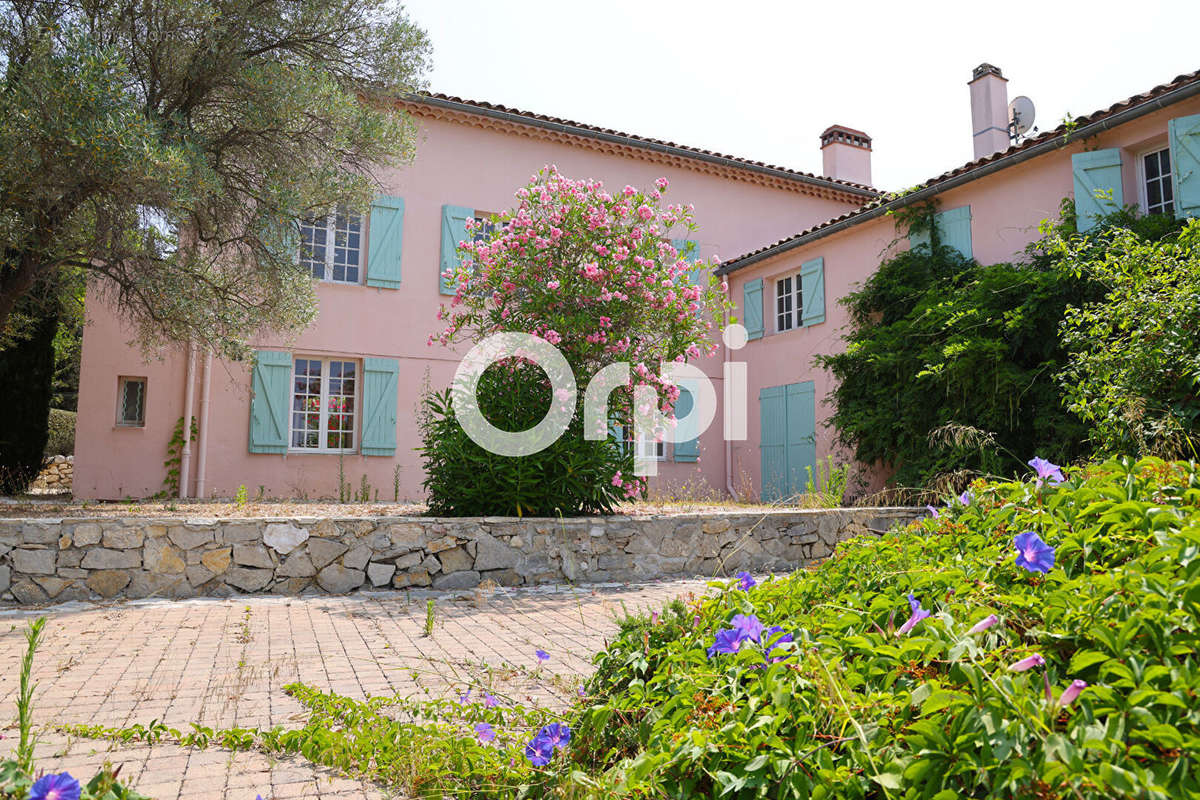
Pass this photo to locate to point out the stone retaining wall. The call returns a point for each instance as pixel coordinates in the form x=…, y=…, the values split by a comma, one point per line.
x=45, y=560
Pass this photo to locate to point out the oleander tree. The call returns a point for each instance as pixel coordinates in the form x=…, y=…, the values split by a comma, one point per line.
x=155, y=148
x=598, y=275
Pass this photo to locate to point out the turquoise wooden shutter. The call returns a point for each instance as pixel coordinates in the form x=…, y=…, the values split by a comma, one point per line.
x=454, y=230
x=387, y=234
x=691, y=252
x=801, y=434
x=772, y=415
x=270, y=384
x=752, y=310
x=1096, y=172
x=1185, y=164
x=689, y=449
x=380, y=379
x=954, y=229
x=812, y=289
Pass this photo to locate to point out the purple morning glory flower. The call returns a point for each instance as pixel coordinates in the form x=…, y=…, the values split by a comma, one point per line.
x=771, y=640
x=1032, y=553
x=556, y=734
x=1026, y=663
x=933, y=512
x=746, y=581
x=489, y=700
x=464, y=698
x=747, y=626
x=484, y=732
x=726, y=642
x=1051, y=473
x=966, y=497
x=984, y=624
x=537, y=752
x=917, y=615
x=1071, y=692
x=542, y=655
x=55, y=787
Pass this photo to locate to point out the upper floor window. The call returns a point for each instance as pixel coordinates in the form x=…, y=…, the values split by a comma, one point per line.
x=331, y=246
x=324, y=401
x=1158, y=195
x=131, y=402
x=788, y=302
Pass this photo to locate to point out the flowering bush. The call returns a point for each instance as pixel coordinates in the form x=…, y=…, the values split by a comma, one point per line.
x=597, y=275
x=1036, y=639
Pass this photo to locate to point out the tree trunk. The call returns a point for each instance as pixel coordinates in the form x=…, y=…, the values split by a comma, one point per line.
x=26, y=378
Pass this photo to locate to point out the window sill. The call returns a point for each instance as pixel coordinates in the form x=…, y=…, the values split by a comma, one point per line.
x=309, y=452
x=120, y=427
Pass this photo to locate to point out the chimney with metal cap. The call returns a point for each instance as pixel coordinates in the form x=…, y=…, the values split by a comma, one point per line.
x=846, y=154
x=989, y=110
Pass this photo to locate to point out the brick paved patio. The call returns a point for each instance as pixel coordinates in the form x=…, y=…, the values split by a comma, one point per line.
x=223, y=663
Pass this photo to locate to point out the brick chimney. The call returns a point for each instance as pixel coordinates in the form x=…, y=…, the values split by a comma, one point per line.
x=989, y=110
x=846, y=154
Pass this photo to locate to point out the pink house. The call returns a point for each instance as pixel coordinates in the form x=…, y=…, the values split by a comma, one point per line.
x=1143, y=151
x=365, y=359
x=363, y=363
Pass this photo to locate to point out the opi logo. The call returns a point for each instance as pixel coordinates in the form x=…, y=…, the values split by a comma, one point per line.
x=648, y=421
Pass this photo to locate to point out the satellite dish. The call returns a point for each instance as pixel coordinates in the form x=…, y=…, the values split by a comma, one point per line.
x=1020, y=116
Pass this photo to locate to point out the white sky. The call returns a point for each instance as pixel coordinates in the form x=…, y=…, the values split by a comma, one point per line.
x=762, y=79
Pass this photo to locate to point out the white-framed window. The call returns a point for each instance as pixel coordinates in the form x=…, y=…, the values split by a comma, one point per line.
x=644, y=446
x=483, y=227
x=788, y=303
x=324, y=405
x=1158, y=195
x=131, y=402
x=331, y=246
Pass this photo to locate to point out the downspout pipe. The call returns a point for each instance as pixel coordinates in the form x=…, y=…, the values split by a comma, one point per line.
x=202, y=439
x=189, y=397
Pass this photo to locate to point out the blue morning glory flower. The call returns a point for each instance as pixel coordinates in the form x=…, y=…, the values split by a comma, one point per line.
x=489, y=700
x=747, y=626
x=966, y=497
x=542, y=655
x=746, y=581
x=1051, y=473
x=556, y=734
x=726, y=642
x=917, y=615
x=1032, y=553
x=55, y=787
x=541, y=748
x=484, y=732
x=537, y=752
x=771, y=640
x=933, y=512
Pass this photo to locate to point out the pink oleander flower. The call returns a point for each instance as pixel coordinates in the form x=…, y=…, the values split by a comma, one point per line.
x=662, y=184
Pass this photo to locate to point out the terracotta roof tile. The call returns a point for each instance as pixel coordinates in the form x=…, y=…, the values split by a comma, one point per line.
x=893, y=201
x=584, y=129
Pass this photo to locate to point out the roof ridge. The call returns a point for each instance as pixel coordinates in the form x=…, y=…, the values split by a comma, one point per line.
x=1064, y=130
x=585, y=129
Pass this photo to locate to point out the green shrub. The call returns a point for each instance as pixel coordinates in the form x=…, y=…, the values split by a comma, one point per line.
x=569, y=477
x=1134, y=367
x=857, y=709
x=61, y=439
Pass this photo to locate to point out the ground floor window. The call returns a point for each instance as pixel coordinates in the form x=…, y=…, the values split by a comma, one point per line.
x=324, y=404
x=131, y=402
x=643, y=446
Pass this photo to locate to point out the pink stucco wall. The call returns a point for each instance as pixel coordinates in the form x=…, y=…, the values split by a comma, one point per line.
x=457, y=164
x=1006, y=208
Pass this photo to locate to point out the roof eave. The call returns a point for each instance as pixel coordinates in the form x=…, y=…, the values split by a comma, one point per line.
x=632, y=141
x=1003, y=162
